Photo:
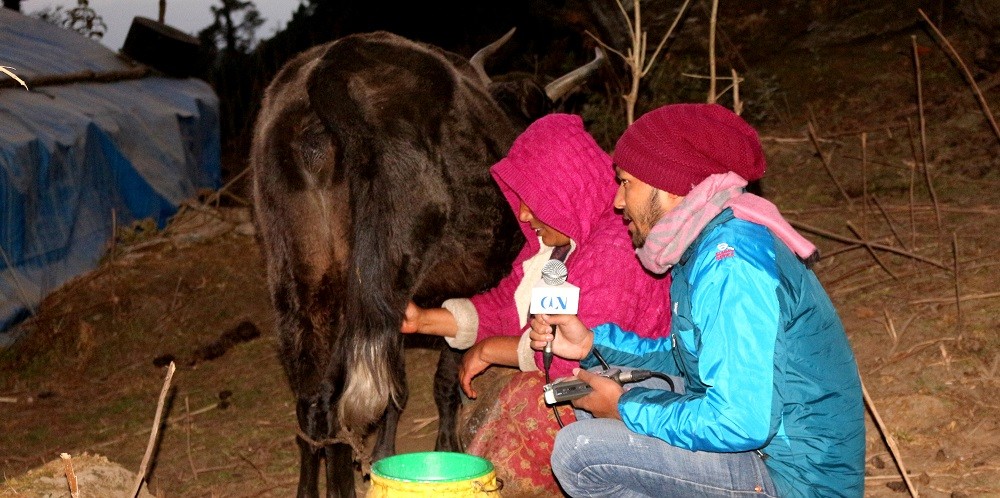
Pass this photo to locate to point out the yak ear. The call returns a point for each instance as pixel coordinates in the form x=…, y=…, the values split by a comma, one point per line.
x=382, y=86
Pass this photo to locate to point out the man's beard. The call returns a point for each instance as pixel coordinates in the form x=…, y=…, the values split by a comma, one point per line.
x=644, y=221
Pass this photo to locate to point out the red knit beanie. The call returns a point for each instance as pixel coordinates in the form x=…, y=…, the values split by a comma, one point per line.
x=675, y=147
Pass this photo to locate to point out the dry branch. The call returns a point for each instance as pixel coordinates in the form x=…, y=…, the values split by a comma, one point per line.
x=870, y=249
x=923, y=131
x=260, y=473
x=986, y=210
x=965, y=72
x=711, y=52
x=826, y=163
x=847, y=248
x=74, y=488
x=215, y=195
x=958, y=289
x=80, y=77
x=737, y=103
x=144, y=466
x=967, y=297
x=635, y=56
x=913, y=181
x=910, y=352
x=864, y=184
x=888, y=221
x=882, y=247
x=25, y=300
x=9, y=71
x=890, y=441
x=187, y=430
x=890, y=327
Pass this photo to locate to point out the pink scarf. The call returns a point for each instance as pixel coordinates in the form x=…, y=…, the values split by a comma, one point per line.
x=676, y=230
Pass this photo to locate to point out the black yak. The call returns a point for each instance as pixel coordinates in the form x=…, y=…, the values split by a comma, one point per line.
x=370, y=160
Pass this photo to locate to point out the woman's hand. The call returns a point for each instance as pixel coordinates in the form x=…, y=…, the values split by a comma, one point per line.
x=496, y=350
x=430, y=321
x=573, y=340
x=603, y=400
x=411, y=318
x=474, y=362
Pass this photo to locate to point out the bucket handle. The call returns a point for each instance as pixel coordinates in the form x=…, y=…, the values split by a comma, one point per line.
x=480, y=487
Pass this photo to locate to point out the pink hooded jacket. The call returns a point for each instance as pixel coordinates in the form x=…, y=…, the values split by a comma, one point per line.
x=567, y=180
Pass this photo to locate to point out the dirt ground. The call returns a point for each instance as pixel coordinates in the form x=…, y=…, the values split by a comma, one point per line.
x=88, y=373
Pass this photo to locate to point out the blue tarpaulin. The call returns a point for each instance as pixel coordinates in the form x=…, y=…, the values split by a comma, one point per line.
x=77, y=158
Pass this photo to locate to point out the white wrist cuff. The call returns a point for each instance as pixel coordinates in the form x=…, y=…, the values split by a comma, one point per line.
x=526, y=355
x=467, y=320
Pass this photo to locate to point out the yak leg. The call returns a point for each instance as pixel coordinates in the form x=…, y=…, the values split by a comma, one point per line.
x=309, y=458
x=385, y=444
x=447, y=397
x=339, y=471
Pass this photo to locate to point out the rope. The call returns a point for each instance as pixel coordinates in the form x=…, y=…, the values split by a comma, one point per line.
x=343, y=436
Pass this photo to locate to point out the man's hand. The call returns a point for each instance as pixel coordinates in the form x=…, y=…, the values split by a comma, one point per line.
x=603, y=401
x=411, y=319
x=573, y=341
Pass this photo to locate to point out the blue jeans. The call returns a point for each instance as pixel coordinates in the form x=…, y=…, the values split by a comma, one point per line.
x=602, y=457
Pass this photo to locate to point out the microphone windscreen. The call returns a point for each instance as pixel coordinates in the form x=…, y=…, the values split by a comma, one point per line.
x=554, y=272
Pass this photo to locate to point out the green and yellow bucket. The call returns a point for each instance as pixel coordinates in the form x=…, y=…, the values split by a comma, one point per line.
x=434, y=474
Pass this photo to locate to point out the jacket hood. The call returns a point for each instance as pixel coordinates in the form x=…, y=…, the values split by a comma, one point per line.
x=561, y=174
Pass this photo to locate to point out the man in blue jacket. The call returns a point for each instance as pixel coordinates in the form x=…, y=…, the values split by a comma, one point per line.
x=771, y=403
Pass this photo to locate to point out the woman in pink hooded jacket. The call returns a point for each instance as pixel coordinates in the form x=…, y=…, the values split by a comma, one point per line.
x=561, y=184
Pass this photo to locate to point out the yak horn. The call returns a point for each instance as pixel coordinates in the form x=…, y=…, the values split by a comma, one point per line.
x=479, y=58
x=562, y=85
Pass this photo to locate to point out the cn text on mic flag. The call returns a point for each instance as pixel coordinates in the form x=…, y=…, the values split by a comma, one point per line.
x=562, y=299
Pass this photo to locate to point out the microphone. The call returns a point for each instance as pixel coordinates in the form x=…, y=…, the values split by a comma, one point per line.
x=553, y=295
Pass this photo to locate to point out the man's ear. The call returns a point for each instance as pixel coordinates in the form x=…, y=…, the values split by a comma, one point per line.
x=668, y=201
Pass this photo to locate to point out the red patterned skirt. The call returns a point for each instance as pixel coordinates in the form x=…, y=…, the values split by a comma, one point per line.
x=516, y=431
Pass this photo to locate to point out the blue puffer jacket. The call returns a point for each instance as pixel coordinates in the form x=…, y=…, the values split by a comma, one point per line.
x=742, y=301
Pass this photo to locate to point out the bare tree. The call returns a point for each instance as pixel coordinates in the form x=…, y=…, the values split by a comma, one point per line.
x=713, y=77
x=635, y=56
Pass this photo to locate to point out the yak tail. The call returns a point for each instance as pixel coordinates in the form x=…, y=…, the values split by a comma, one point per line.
x=371, y=349
x=373, y=379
